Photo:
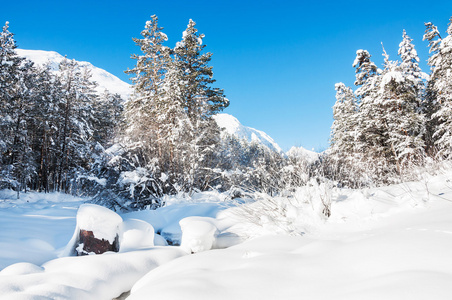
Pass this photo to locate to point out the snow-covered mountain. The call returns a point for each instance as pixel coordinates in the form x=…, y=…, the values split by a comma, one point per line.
x=233, y=127
x=107, y=81
x=104, y=79
x=300, y=152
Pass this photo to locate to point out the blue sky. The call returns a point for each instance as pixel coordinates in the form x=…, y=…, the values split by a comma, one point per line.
x=277, y=61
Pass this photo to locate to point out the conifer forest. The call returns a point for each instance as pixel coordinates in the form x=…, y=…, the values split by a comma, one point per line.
x=58, y=134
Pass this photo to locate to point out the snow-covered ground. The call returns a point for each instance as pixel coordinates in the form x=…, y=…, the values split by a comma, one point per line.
x=386, y=243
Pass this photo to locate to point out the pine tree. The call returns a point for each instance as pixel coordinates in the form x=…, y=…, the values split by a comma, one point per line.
x=9, y=78
x=197, y=97
x=108, y=117
x=370, y=142
x=199, y=101
x=17, y=84
x=344, y=131
x=345, y=109
x=45, y=119
x=142, y=111
x=439, y=90
x=75, y=126
x=399, y=97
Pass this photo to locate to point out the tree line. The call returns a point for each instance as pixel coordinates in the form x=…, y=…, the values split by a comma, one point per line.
x=58, y=134
x=49, y=122
x=398, y=117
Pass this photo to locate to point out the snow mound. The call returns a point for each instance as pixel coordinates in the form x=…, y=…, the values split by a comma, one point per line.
x=198, y=234
x=104, y=79
x=233, y=127
x=21, y=269
x=83, y=277
x=136, y=234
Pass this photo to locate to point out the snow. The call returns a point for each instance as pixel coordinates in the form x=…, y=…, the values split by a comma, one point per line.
x=104, y=79
x=103, y=222
x=394, y=244
x=302, y=153
x=198, y=234
x=86, y=277
x=136, y=234
x=36, y=227
x=379, y=243
x=233, y=127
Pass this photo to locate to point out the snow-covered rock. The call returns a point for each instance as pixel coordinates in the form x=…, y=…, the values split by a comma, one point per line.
x=104, y=79
x=100, y=220
x=94, y=222
x=233, y=127
x=198, y=234
x=136, y=234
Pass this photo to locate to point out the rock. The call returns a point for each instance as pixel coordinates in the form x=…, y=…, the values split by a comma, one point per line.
x=89, y=244
x=97, y=230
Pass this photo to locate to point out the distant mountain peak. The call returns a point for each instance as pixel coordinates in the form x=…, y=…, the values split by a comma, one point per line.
x=104, y=79
x=233, y=127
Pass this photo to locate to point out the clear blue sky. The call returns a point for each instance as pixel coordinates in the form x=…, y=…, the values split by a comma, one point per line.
x=277, y=61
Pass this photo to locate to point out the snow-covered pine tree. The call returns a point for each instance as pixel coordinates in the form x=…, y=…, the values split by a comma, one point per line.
x=199, y=101
x=343, y=131
x=76, y=122
x=9, y=76
x=22, y=157
x=108, y=118
x=370, y=141
x=17, y=82
x=399, y=97
x=439, y=90
x=45, y=119
x=344, y=125
x=143, y=110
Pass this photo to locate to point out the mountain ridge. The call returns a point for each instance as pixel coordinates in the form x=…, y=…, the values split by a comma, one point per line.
x=108, y=81
x=104, y=79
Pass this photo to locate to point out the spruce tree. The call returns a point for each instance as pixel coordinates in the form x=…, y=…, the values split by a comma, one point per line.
x=199, y=101
x=142, y=110
x=345, y=111
x=370, y=142
x=344, y=132
x=399, y=97
x=439, y=90
x=76, y=122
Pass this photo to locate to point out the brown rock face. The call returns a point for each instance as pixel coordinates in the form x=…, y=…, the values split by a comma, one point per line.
x=91, y=244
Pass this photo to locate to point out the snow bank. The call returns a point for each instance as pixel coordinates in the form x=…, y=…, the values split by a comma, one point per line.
x=165, y=220
x=103, y=222
x=402, y=255
x=35, y=227
x=84, y=277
